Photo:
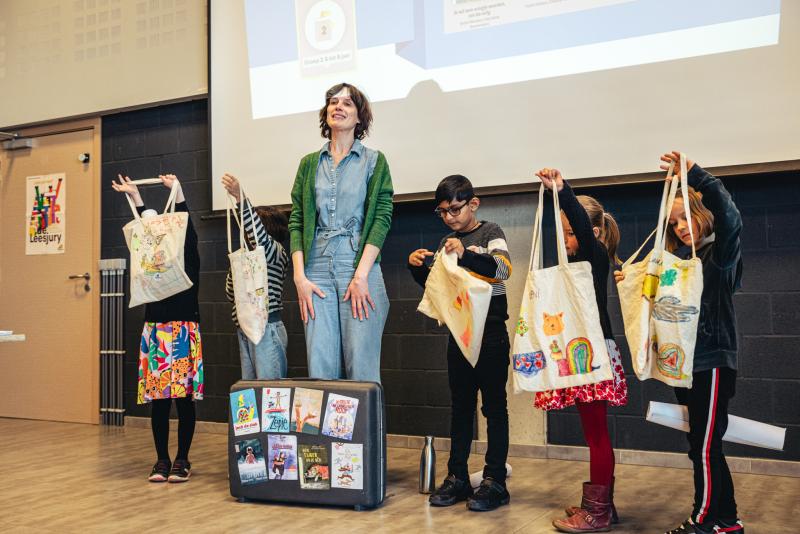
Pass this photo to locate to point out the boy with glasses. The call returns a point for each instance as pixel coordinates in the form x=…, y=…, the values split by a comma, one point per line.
x=482, y=251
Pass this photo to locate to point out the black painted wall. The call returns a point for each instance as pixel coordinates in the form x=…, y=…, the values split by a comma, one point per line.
x=767, y=308
x=174, y=139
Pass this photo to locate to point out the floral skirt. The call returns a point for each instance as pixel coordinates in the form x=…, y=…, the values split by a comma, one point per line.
x=615, y=391
x=170, y=361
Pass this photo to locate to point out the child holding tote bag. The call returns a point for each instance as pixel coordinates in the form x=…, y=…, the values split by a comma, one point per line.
x=171, y=353
x=481, y=251
x=268, y=228
x=715, y=227
x=590, y=234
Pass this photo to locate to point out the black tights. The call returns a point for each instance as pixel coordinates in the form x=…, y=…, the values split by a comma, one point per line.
x=159, y=420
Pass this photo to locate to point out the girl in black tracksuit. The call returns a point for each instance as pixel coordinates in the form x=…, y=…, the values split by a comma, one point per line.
x=717, y=226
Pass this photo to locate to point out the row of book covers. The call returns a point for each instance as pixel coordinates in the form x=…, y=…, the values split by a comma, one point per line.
x=282, y=414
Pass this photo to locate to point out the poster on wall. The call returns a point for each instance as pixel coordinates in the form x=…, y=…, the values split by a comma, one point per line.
x=45, y=209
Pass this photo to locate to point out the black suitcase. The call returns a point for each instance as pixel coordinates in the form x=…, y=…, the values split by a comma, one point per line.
x=334, y=455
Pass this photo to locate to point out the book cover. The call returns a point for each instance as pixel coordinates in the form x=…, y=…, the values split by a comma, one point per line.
x=340, y=416
x=244, y=413
x=347, y=464
x=306, y=410
x=250, y=461
x=282, y=451
x=314, y=467
x=275, y=409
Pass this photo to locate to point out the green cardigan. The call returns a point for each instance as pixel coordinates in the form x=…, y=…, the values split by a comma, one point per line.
x=303, y=219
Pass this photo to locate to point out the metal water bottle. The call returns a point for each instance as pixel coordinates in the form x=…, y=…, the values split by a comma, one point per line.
x=427, y=467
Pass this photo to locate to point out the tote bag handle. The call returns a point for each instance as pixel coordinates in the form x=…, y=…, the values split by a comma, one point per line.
x=536, y=238
x=675, y=184
x=170, y=207
x=560, y=245
x=667, y=198
x=228, y=211
x=536, y=242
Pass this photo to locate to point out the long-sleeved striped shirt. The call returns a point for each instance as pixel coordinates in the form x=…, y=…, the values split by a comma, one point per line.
x=277, y=260
x=485, y=257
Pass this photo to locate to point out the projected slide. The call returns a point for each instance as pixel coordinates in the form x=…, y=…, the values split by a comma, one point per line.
x=299, y=48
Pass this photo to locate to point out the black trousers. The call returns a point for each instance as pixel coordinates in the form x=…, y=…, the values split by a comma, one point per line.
x=707, y=402
x=489, y=377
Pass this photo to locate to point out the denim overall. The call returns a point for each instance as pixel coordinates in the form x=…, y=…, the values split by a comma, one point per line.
x=337, y=345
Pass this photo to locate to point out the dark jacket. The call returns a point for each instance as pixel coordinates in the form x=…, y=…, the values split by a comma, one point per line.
x=722, y=274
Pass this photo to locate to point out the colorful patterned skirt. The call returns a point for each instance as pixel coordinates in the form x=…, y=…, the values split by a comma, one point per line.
x=615, y=391
x=170, y=361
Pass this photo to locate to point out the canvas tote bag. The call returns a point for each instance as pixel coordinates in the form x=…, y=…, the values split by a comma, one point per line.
x=250, y=281
x=660, y=300
x=558, y=342
x=156, y=246
x=459, y=300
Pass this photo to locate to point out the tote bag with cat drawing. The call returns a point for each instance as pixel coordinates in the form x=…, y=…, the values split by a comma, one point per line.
x=558, y=341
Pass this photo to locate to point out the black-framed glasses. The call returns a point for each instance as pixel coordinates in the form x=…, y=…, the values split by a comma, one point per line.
x=453, y=211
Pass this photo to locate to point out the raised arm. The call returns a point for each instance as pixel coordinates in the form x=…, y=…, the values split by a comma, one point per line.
x=579, y=220
x=574, y=212
x=727, y=219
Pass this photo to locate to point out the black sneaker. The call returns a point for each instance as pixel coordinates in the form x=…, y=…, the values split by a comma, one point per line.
x=490, y=495
x=181, y=471
x=734, y=527
x=690, y=527
x=451, y=491
x=160, y=471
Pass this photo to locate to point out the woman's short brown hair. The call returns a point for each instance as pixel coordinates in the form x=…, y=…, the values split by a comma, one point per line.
x=362, y=106
x=700, y=213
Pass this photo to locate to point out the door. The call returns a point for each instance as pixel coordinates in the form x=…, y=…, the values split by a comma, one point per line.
x=53, y=374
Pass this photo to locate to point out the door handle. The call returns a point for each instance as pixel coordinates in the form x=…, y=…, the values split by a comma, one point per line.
x=84, y=276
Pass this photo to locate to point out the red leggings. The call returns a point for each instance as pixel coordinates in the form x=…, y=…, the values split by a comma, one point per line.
x=595, y=431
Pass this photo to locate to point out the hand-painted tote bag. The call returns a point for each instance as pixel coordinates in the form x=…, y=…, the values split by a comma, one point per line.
x=156, y=246
x=660, y=300
x=250, y=281
x=459, y=300
x=558, y=342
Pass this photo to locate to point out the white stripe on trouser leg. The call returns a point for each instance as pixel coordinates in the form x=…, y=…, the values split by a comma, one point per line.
x=712, y=412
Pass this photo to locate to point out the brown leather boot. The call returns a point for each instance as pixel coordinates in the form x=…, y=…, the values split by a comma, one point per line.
x=595, y=517
x=572, y=510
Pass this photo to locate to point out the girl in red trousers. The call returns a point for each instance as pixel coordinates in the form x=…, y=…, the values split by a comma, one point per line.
x=590, y=234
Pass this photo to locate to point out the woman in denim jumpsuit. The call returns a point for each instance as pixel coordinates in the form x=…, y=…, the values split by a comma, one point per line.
x=340, y=287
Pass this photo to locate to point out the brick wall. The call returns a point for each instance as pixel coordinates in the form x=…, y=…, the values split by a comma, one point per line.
x=767, y=308
x=174, y=139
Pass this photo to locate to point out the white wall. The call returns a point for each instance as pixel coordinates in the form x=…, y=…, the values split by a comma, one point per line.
x=68, y=58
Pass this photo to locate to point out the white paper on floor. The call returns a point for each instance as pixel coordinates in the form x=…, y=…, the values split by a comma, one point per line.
x=476, y=477
x=740, y=430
